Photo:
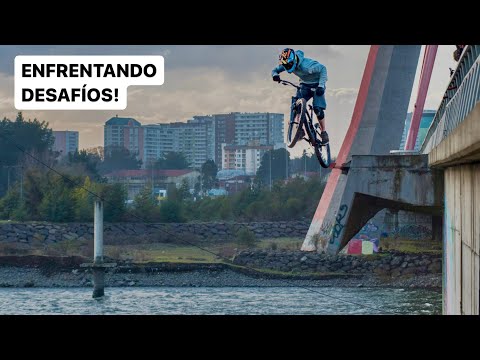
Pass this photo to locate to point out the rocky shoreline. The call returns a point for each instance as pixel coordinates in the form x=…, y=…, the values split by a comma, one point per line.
x=44, y=233
x=386, y=264
x=41, y=271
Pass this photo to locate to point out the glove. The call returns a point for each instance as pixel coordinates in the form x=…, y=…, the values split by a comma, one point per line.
x=320, y=91
x=276, y=78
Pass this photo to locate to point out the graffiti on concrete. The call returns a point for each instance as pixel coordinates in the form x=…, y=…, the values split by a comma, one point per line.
x=372, y=233
x=326, y=228
x=412, y=232
x=366, y=241
x=337, y=229
x=369, y=227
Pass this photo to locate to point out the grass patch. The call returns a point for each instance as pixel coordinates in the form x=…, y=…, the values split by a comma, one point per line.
x=411, y=246
x=160, y=253
x=286, y=243
x=157, y=252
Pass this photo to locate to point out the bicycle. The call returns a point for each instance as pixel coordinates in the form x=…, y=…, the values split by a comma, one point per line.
x=301, y=123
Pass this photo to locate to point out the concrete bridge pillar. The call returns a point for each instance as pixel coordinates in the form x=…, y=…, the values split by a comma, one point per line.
x=459, y=156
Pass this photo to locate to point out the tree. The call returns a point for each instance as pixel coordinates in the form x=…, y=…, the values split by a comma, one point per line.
x=145, y=206
x=115, y=196
x=57, y=204
x=84, y=163
x=197, y=187
x=31, y=136
x=170, y=211
x=119, y=158
x=183, y=193
x=9, y=203
x=97, y=151
x=172, y=161
x=308, y=163
x=209, y=174
x=35, y=184
x=272, y=167
x=83, y=201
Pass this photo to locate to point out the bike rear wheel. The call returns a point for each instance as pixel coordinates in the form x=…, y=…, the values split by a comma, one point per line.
x=323, y=154
x=296, y=123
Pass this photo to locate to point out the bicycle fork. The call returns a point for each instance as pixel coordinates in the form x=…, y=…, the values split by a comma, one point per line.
x=292, y=109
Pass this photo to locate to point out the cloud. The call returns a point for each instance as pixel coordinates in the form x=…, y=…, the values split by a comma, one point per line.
x=6, y=92
x=202, y=80
x=344, y=95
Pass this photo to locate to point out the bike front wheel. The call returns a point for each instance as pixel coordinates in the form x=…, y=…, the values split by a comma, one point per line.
x=296, y=123
x=323, y=154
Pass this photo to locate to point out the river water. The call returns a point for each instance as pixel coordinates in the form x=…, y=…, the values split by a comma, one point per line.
x=208, y=300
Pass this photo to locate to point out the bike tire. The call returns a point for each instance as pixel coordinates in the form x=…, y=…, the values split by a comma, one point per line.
x=294, y=128
x=323, y=154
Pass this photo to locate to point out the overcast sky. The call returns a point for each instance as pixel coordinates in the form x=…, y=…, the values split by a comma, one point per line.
x=202, y=80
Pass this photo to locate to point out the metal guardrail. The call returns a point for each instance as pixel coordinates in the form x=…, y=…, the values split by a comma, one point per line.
x=462, y=93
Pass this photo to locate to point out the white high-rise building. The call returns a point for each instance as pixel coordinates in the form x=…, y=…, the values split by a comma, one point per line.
x=267, y=128
x=244, y=157
x=195, y=139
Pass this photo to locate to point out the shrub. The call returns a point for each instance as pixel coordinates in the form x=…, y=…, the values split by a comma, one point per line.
x=246, y=237
x=171, y=212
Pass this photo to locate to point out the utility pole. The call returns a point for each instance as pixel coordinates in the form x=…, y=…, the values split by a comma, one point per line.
x=305, y=165
x=286, y=165
x=10, y=167
x=153, y=191
x=270, y=168
x=21, y=185
x=8, y=177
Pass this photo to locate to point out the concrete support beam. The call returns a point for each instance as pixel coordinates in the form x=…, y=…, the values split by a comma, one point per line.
x=375, y=129
x=401, y=182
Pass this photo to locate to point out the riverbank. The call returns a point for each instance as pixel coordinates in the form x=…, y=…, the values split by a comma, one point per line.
x=44, y=271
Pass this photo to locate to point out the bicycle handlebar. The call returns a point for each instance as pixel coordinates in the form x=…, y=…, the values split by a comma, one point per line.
x=285, y=82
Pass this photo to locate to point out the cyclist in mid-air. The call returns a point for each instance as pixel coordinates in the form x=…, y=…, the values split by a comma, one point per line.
x=313, y=75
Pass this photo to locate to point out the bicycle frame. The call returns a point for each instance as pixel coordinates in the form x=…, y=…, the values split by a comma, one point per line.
x=322, y=151
x=309, y=113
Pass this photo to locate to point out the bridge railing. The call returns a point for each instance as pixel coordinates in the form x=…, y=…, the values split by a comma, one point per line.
x=462, y=93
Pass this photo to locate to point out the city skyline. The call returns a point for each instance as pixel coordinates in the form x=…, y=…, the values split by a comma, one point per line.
x=216, y=137
x=204, y=80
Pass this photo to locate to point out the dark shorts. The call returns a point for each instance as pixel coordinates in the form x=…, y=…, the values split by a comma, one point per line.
x=306, y=93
